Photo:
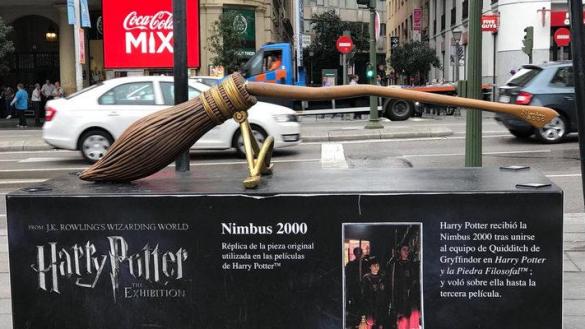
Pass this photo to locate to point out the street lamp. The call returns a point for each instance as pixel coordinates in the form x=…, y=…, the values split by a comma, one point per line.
x=455, y=41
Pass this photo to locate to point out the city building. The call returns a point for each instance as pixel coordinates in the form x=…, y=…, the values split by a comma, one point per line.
x=44, y=39
x=348, y=11
x=545, y=17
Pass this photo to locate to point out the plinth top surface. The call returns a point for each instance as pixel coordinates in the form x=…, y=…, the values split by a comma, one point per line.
x=303, y=179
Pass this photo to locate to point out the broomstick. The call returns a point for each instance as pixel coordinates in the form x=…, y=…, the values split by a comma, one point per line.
x=153, y=142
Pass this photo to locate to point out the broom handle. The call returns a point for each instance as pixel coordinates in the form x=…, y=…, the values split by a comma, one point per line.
x=535, y=115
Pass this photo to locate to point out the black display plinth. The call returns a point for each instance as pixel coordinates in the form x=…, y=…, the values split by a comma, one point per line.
x=448, y=248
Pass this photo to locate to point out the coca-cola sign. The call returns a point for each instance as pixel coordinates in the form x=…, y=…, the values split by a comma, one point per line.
x=139, y=34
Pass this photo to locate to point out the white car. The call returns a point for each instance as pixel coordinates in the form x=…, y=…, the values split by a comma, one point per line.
x=91, y=119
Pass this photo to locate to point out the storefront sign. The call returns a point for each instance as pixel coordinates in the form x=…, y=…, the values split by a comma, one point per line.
x=490, y=23
x=139, y=34
x=562, y=37
x=417, y=19
x=561, y=18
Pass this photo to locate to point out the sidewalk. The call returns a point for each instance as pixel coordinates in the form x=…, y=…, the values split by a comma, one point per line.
x=312, y=130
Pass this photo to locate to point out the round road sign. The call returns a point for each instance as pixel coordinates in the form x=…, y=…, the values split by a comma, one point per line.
x=344, y=44
x=562, y=37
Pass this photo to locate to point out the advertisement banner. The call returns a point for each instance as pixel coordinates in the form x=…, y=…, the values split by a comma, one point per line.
x=139, y=34
x=561, y=18
x=81, y=46
x=245, y=25
x=70, y=12
x=312, y=248
x=85, y=20
x=417, y=19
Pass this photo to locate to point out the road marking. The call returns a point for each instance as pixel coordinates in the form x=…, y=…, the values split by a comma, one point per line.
x=21, y=181
x=396, y=140
x=484, y=153
x=40, y=160
x=333, y=156
x=563, y=175
x=40, y=151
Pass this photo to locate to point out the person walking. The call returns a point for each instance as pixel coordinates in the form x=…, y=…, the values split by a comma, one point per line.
x=8, y=97
x=20, y=101
x=46, y=92
x=57, y=90
x=36, y=103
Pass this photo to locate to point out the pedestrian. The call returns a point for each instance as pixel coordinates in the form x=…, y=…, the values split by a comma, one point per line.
x=57, y=90
x=36, y=103
x=20, y=101
x=8, y=97
x=354, y=81
x=46, y=92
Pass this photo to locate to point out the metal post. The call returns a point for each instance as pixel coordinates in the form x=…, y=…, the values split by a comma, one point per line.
x=578, y=44
x=78, y=67
x=473, y=118
x=494, y=87
x=180, y=68
x=456, y=61
x=374, y=122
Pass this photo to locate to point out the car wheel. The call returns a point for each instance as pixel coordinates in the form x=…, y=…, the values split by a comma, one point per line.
x=94, y=144
x=238, y=140
x=521, y=133
x=554, y=131
x=398, y=109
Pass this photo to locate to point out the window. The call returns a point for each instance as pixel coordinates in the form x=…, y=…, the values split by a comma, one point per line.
x=453, y=15
x=564, y=78
x=168, y=92
x=465, y=9
x=134, y=93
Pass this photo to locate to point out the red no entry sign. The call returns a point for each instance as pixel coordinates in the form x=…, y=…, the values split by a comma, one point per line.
x=562, y=37
x=344, y=44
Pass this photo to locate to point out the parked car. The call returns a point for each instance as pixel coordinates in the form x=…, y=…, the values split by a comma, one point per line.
x=551, y=85
x=91, y=119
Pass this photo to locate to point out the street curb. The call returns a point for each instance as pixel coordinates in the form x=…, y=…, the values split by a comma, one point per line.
x=369, y=134
x=24, y=146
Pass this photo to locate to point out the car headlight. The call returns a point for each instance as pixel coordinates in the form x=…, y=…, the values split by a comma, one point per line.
x=286, y=118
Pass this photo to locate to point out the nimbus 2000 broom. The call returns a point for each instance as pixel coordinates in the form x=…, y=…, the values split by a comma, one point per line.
x=154, y=141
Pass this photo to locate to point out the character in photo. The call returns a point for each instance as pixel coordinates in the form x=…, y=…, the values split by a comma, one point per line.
x=403, y=274
x=374, y=296
x=354, y=272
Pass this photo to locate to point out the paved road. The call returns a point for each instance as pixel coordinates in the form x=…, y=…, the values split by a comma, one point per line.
x=559, y=162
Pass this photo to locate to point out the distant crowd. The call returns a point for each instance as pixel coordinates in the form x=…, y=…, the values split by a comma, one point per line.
x=32, y=97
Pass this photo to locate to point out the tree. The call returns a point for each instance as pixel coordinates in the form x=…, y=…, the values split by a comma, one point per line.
x=414, y=60
x=6, y=46
x=328, y=27
x=226, y=43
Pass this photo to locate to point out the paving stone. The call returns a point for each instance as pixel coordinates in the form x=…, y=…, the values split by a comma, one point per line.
x=573, y=322
x=574, y=237
x=578, y=258
x=4, y=286
x=5, y=306
x=574, y=286
x=6, y=321
x=569, y=266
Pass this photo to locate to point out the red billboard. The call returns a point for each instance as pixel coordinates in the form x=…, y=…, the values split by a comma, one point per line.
x=561, y=18
x=139, y=34
x=490, y=23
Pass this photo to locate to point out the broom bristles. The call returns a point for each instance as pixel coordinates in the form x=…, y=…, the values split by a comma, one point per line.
x=153, y=142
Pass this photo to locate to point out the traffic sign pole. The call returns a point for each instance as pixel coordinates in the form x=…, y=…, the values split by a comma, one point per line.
x=578, y=46
x=374, y=122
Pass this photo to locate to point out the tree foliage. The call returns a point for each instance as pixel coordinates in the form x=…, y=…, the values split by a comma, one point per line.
x=414, y=60
x=225, y=43
x=328, y=27
x=6, y=46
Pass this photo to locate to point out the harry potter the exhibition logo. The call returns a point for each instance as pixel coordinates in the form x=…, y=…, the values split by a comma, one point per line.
x=83, y=264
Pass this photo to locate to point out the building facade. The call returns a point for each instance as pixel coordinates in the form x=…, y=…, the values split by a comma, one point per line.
x=501, y=52
x=38, y=57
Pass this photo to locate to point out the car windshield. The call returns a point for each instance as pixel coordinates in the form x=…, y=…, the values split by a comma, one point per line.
x=523, y=77
x=83, y=90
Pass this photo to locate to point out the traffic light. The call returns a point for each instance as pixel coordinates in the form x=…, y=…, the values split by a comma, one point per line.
x=528, y=42
x=370, y=71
